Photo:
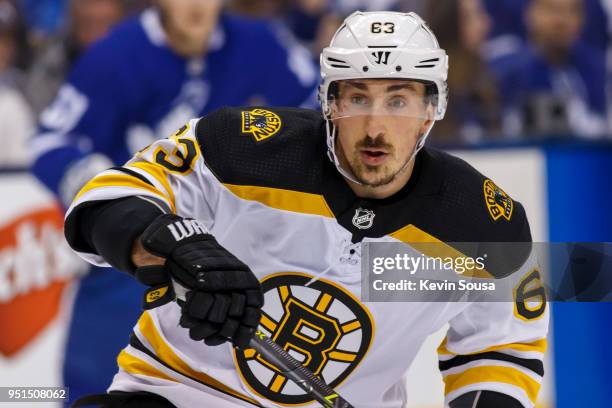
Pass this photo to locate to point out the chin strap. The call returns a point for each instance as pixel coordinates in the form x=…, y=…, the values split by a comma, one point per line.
x=419, y=144
x=330, y=129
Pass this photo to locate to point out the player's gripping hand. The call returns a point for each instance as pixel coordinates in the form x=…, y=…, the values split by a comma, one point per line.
x=224, y=297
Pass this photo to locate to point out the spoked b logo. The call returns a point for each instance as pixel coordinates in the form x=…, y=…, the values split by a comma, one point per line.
x=321, y=325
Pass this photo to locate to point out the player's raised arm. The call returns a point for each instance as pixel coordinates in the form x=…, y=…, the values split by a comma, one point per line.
x=132, y=218
x=76, y=130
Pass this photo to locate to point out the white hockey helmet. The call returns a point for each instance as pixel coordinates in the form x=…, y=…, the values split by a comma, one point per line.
x=384, y=45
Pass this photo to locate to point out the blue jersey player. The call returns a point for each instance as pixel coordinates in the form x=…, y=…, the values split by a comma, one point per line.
x=151, y=74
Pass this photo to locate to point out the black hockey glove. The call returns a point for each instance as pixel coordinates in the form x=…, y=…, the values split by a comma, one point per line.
x=224, y=297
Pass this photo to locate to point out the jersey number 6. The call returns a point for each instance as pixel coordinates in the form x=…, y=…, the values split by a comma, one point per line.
x=530, y=297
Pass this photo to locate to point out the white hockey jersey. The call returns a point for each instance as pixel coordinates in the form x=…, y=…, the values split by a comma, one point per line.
x=261, y=183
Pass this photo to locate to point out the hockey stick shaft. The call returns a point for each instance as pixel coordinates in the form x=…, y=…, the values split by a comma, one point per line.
x=296, y=372
x=288, y=366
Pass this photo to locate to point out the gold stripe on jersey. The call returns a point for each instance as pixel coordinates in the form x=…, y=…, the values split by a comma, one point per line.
x=538, y=345
x=136, y=366
x=433, y=247
x=158, y=173
x=122, y=180
x=168, y=356
x=496, y=374
x=288, y=200
x=411, y=233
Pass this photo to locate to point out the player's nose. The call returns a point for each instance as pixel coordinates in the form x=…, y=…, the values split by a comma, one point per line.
x=375, y=126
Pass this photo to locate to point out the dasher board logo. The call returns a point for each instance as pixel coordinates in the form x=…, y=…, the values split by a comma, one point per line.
x=322, y=325
x=261, y=123
x=498, y=202
x=363, y=219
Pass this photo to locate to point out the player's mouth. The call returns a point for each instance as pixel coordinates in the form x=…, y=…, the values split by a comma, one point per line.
x=373, y=156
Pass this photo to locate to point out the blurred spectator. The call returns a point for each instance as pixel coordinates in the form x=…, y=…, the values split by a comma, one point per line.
x=136, y=6
x=14, y=47
x=462, y=27
x=15, y=115
x=259, y=8
x=418, y=6
x=346, y=7
x=553, y=83
x=43, y=17
x=313, y=22
x=507, y=17
x=89, y=20
x=308, y=19
x=509, y=22
x=16, y=125
x=144, y=80
x=305, y=19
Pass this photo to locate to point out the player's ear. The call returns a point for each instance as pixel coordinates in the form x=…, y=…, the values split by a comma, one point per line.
x=428, y=121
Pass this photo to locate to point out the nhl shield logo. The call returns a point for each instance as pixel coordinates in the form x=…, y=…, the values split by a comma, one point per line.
x=363, y=219
x=261, y=123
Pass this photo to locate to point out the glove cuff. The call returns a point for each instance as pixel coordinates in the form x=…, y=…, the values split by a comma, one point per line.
x=152, y=275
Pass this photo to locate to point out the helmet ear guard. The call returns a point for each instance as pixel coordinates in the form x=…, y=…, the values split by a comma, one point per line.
x=383, y=45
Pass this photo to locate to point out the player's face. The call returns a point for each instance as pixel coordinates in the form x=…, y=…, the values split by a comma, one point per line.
x=378, y=136
x=190, y=21
x=93, y=18
x=555, y=24
x=475, y=24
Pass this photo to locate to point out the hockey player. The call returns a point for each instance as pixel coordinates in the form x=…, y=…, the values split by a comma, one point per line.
x=154, y=72
x=259, y=214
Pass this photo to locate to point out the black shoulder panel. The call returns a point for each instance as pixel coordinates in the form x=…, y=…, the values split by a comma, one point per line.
x=470, y=207
x=268, y=147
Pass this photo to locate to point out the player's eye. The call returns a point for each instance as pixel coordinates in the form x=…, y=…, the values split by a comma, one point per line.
x=397, y=102
x=358, y=99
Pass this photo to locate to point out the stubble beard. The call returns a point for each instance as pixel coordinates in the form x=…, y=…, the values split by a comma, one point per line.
x=386, y=174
